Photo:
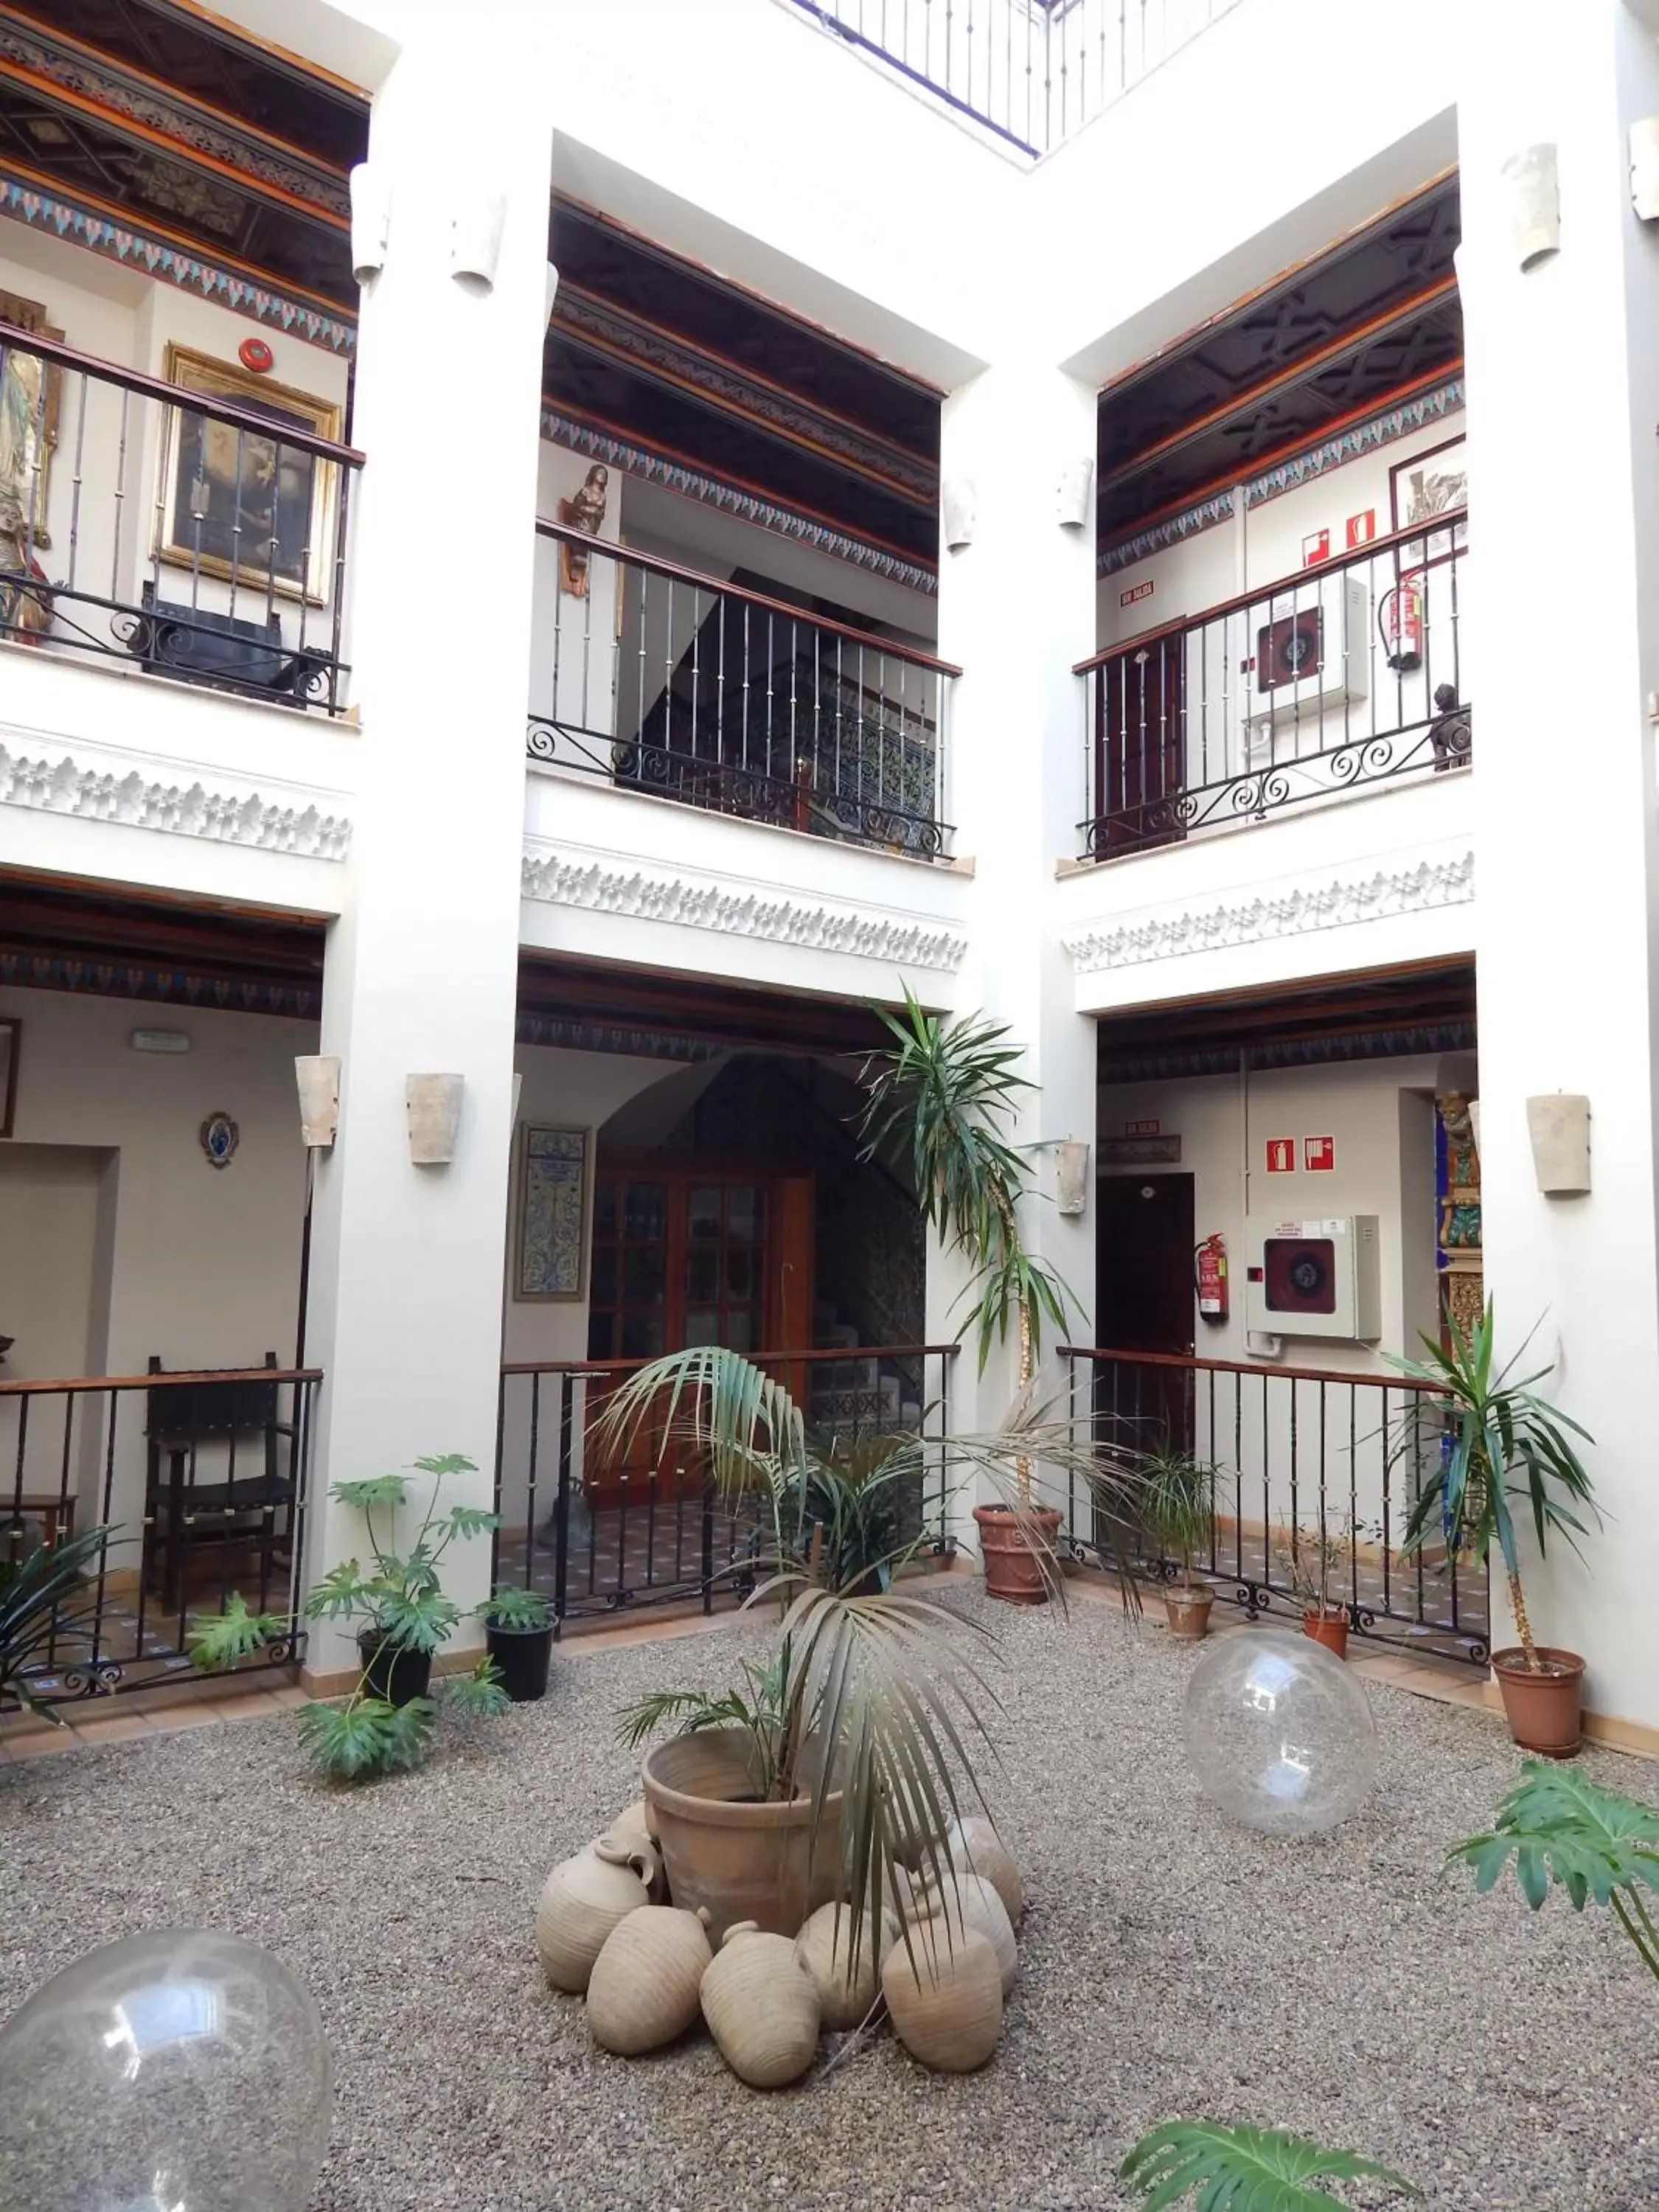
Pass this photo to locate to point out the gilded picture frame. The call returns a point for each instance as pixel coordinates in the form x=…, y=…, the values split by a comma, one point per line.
x=31, y=411
x=227, y=496
x=554, y=1215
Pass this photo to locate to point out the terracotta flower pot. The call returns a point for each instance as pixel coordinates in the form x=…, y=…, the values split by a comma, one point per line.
x=722, y=1850
x=1012, y=1570
x=1543, y=1708
x=1187, y=1607
x=1328, y=1627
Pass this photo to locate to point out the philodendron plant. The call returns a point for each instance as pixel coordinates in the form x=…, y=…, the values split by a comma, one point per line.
x=400, y=1600
x=1244, y=2169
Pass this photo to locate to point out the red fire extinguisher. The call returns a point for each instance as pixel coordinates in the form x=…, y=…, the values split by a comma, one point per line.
x=1210, y=1258
x=1400, y=617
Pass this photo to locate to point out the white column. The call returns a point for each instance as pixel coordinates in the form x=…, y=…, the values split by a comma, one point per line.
x=1562, y=636
x=1017, y=610
x=421, y=972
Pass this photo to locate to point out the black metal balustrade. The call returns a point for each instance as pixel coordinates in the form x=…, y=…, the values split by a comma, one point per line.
x=664, y=681
x=205, y=1478
x=1335, y=679
x=206, y=542
x=1029, y=70
x=598, y=1529
x=1298, y=1456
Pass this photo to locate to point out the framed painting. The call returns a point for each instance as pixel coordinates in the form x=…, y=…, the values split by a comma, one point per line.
x=236, y=505
x=1429, y=484
x=556, y=1199
x=11, y=1037
x=31, y=403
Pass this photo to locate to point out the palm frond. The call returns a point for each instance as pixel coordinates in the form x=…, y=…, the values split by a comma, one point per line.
x=45, y=1610
x=1244, y=2169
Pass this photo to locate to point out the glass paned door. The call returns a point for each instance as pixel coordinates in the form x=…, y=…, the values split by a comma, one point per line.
x=726, y=1265
x=627, y=1316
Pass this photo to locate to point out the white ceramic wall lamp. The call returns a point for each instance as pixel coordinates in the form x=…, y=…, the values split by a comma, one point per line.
x=475, y=240
x=316, y=1075
x=433, y=1104
x=371, y=220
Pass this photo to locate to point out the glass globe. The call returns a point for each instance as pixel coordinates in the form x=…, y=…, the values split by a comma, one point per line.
x=1280, y=1733
x=183, y=2072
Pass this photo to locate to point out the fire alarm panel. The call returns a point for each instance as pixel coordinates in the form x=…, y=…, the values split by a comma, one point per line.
x=1318, y=1276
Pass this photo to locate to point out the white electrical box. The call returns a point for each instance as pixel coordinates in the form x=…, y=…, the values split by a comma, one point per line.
x=1318, y=1276
x=1311, y=647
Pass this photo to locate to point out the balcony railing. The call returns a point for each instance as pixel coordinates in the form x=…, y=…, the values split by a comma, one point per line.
x=205, y=542
x=664, y=681
x=1297, y=1457
x=1029, y=70
x=1334, y=679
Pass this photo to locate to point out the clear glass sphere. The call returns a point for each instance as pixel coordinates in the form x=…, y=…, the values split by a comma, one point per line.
x=182, y=2071
x=1280, y=1733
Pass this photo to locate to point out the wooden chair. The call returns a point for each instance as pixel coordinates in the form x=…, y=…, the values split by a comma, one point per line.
x=249, y=1506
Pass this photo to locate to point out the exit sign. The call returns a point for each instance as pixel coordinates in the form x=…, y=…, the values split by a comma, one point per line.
x=1136, y=592
x=1142, y=1129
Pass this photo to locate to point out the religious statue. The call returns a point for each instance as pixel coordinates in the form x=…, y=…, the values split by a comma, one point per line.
x=585, y=513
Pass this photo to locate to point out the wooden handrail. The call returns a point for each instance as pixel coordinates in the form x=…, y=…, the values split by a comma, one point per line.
x=1190, y=1360
x=1414, y=535
x=171, y=1380
x=607, y=549
x=176, y=395
x=818, y=1356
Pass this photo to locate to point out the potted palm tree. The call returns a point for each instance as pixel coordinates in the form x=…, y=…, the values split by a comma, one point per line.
x=1179, y=1508
x=1503, y=1442
x=947, y=1096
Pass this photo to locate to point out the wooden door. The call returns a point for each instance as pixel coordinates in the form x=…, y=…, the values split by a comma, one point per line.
x=1145, y=1302
x=1140, y=748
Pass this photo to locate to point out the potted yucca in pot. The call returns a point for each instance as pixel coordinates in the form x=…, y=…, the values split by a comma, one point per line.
x=946, y=1095
x=1179, y=1495
x=518, y=1638
x=1504, y=1444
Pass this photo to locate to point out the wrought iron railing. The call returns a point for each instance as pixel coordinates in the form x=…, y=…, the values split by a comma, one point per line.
x=203, y=1478
x=1299, y=1455
x=1332, y=679
x=664, y=681
x=201, y=538
x=599, y=1530
x=1030, y=72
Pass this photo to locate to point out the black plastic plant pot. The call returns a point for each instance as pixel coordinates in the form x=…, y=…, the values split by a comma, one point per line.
x=392, y=1671
x=522, y=1656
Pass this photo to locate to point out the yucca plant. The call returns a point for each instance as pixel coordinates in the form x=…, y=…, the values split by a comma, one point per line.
x=1565, y=1832
x=45, y=1615
x=947, y=1094
x=1504, y=1441
x=1178, y=1502
x=1244, y=2169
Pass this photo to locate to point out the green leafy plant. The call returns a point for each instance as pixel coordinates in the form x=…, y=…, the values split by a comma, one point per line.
x=223, y=1639
x=400, y=1598
x=1244, y=2169
x=1178, y=1493
x=44, y=1613
x=1310, y=1562
x=759, y=1709
x=1565, y=1832
x=514, y=1608
x=1503, y=1442
x=947, y=1094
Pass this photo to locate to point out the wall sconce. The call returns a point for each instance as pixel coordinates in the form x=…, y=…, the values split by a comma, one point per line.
x=551, y=292
x=1071, y=1176
x=958, y=506
x=434, y=1104
x=371, y=220
x=1534, y=197
x=1645, y=167
x=475, y=241
x=1074, y=500
x=318, y=1077
x=1558, y=1124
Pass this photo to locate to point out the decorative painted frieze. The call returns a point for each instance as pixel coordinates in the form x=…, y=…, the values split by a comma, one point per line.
x=65, y=786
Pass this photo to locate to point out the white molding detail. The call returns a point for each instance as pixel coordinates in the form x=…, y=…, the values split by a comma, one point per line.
x=738, y=912
x=1328, y=906
x=230, y=817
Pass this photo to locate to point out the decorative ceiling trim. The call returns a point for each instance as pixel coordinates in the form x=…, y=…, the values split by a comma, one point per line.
x=733, y=910
x=1387, y=1040
x=1332, y=452
x=665, y=356
x=22, y=201
x=119, y=979
x=592, y=1036
x=229, y=818
x=1330, y=906
x=602, y=445
x=126, y=97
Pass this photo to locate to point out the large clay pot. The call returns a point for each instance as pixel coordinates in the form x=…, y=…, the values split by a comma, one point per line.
x=970, y=1901
x=973, y=1842
x=1187, y=1609
x=762, y=2007
x=1543, y=1707
x=722, y=1850
x=1012, y=1570
x=846, y=1981
x=643, y=1989
x=1327, y=1626
x=582, y=1901
x=945, y=1994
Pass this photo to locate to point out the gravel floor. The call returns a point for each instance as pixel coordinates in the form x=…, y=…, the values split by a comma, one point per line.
x=1169, y=1966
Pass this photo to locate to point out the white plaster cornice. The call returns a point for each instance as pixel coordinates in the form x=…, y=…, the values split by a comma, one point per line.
x=64, y=785
x=739, y=910
x=1449, y=882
